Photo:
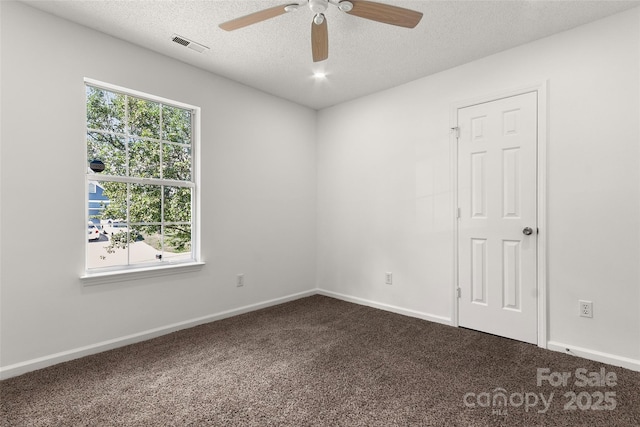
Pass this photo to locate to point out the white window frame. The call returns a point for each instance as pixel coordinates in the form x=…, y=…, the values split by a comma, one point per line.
x=129, y=272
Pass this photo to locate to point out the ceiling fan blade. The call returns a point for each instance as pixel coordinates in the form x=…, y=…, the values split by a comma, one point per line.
x=319, y=41
x=254, y=18
x=385, y=13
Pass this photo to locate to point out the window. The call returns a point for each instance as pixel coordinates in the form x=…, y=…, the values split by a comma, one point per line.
x=141, y=181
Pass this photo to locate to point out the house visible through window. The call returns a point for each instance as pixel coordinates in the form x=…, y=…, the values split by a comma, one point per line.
x=143, y=202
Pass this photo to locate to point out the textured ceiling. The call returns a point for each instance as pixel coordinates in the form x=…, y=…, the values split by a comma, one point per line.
x=364, y=56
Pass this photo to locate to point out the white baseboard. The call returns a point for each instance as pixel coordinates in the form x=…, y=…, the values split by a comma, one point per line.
x=76, y=353
x=387, y=307
x=594, y=355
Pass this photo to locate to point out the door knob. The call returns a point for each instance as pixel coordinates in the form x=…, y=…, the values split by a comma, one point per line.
x=527, y=231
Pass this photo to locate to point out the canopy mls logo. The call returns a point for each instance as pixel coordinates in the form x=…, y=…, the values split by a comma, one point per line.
x=499, y=400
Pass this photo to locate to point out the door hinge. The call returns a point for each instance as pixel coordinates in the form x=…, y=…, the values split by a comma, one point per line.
x=458, y=213
x=456, y=131
x=459, y=292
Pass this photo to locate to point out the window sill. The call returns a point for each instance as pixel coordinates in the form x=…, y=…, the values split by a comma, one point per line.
x=91, y=279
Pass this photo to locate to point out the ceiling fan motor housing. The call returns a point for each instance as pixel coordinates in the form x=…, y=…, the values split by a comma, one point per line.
x=318, y=6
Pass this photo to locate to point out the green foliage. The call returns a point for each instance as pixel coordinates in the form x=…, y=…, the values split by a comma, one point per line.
x=139, y=138
x=177, y=124
x=121, y=240
x=178, y=237
x=105, y=110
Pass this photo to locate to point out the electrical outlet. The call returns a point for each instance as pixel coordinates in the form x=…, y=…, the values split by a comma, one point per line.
x=240, y=280
x=586, y=308
x=388, y=278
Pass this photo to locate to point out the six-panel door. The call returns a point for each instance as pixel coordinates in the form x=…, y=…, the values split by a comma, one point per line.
x=497, y=200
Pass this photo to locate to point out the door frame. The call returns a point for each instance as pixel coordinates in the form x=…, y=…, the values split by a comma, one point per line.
x=541, y=251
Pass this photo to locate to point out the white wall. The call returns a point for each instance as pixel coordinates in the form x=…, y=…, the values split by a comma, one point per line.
x=258, y=192
x=385, y=190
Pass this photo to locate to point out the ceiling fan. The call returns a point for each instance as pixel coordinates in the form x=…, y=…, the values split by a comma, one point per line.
x=379, y=12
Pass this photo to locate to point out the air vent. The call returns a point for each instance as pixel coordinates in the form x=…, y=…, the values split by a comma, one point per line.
x=180, y=40
x=188, y=43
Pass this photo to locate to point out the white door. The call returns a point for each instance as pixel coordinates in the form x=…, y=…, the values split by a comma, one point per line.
x=497, y=230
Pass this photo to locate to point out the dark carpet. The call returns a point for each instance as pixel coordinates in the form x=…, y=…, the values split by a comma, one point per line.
x=319, y=361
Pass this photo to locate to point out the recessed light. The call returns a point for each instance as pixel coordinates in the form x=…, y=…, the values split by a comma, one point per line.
x=320, y=75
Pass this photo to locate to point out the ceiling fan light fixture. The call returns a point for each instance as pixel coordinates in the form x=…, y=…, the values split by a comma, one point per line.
x=318, y=19
x=345, y=6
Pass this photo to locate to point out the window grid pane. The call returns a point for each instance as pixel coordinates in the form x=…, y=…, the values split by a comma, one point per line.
x=147, y=184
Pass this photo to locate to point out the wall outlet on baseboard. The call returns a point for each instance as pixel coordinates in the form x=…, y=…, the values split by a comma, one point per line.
x=388, y=278
x=240, y=280
x=586, y=308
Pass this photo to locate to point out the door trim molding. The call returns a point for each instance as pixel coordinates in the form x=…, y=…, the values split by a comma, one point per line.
x=541, y=280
